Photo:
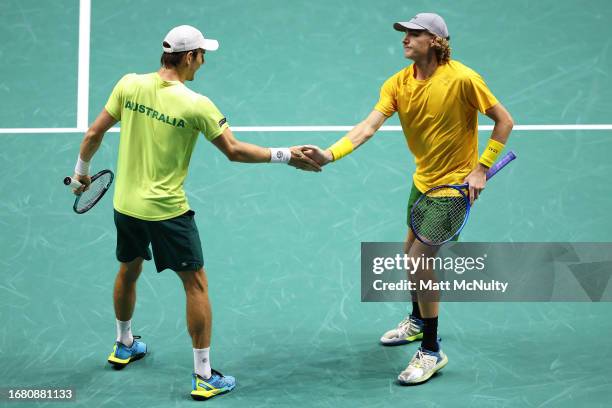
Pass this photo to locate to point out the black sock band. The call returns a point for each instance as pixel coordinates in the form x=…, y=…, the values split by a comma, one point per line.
x=430, y=334
x=416, y=312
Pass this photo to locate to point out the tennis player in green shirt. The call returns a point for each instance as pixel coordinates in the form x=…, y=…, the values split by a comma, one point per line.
x=160, y=122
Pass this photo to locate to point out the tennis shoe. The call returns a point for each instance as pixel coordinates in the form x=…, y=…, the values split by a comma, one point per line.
x=123, y=355
x=408, y=330
x=423, y=365
x=217, y=384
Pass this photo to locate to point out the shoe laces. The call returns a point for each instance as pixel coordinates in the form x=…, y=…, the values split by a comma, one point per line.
x=423, y=360
x=408, y=326
x=134, y=338
x=404, y=322
x=217, y=376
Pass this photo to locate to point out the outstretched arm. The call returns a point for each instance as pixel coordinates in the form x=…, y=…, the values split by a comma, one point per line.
x=349, y=142
x=239, y=151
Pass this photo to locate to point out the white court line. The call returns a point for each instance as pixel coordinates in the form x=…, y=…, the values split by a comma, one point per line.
x=83, y=72
x=83, y=101
x=399, y=128
x=289, y=129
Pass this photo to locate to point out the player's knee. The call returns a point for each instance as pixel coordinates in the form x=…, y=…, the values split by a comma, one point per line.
x=130, y=271
x=410, y=238
x=194, y=282
x=196, y=288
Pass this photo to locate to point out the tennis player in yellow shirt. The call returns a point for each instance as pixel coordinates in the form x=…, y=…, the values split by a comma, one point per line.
x=437, y=100
x=161, y=120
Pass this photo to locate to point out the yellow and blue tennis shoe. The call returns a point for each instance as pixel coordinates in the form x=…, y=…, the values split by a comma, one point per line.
x=123, y=355
x=217, y=384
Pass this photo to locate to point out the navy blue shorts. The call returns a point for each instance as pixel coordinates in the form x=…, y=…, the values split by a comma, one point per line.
x=175, y=242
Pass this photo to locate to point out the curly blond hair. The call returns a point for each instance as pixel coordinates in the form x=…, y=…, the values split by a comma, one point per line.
x=442, y=49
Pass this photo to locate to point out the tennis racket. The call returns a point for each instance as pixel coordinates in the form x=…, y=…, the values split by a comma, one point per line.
x=441, y=212
x=100, y=183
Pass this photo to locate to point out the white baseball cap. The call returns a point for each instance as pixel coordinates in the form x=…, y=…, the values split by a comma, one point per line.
x=187, y=38
x=425, y=21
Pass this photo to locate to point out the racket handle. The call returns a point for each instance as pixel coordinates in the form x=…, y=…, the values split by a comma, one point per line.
x=508, y=157
x=72, y=183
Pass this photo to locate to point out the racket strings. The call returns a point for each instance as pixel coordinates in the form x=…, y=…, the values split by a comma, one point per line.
x=96, y=189
x=439, y=214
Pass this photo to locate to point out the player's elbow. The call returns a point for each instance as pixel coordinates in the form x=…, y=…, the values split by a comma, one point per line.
x=235, y=157
x=234, y=153
x=508, y=121
x=231, y=150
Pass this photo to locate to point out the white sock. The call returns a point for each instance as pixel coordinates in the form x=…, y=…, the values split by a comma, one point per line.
x=201, y=362
x=124, y=332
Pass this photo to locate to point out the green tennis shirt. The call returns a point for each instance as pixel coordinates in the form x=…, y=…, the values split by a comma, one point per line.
x=160, y=123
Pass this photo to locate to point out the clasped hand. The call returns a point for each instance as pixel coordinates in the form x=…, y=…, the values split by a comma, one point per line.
x=309, y=157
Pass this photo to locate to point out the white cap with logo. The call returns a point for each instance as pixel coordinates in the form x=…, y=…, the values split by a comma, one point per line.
x=187, y=38
x=425, y=21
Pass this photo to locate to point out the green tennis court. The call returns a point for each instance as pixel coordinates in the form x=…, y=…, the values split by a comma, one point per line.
x=282, y=247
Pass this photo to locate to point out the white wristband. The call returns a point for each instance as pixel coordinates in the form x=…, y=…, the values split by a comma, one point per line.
x=82, y=167
x=280, y=155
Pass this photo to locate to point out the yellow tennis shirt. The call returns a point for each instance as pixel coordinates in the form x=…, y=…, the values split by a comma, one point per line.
x=160, y=123
x=439, y=117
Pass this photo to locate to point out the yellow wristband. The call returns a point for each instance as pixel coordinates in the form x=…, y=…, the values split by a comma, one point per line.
x=489, y=156
x=341, y=148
